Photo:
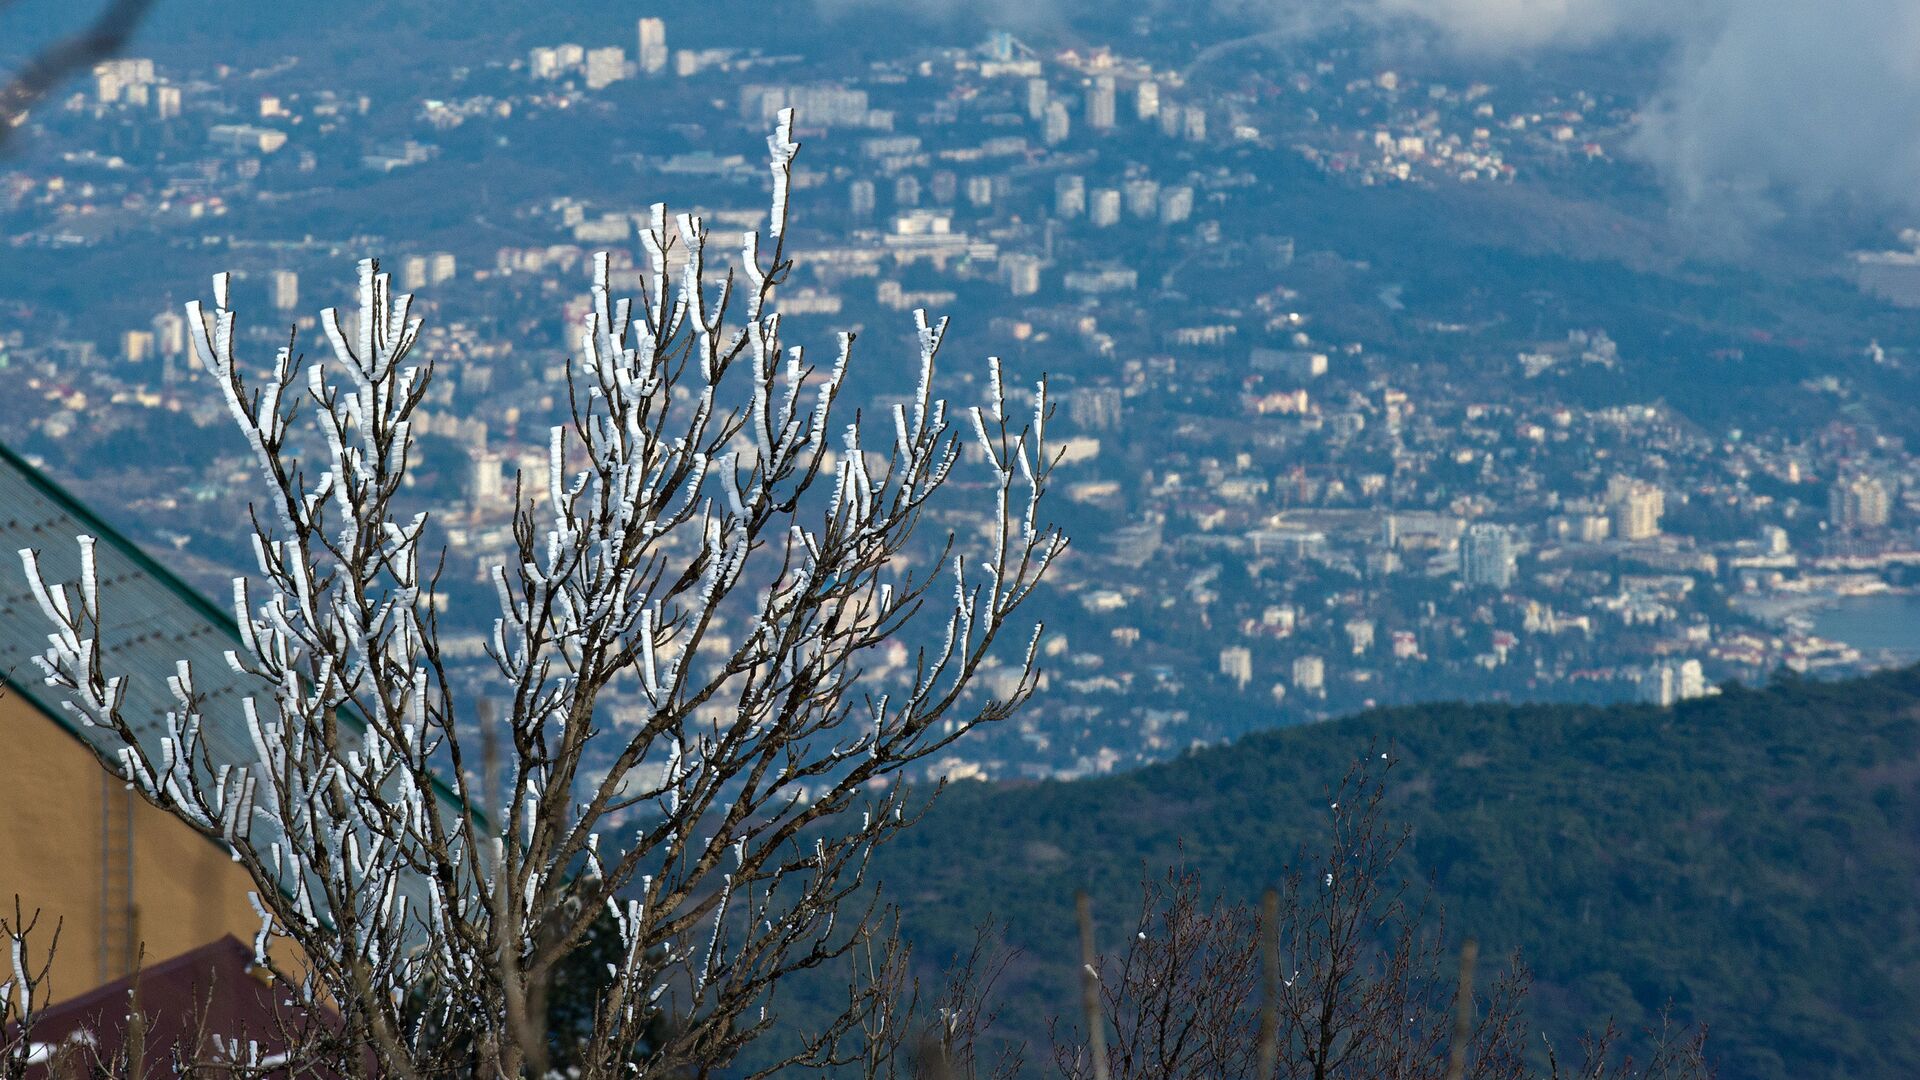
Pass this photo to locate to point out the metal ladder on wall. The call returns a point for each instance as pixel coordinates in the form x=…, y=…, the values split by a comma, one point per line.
x=118, y=928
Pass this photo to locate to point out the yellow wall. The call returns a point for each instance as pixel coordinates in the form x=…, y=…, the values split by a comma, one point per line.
x=186, y=889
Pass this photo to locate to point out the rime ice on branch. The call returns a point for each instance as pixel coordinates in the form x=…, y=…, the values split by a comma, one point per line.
x=693, y=485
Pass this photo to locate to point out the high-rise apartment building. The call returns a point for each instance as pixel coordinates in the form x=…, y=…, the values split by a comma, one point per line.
x=1635, y=507
x=860, y=200
x=1236, y=663
x=606, y=66
x=1021, y=273
x=1142, y=197
x=283, y=290
x=1176, y=204
x=1487, y=555
x=170, y=333
x=1038, y=97
x=1309, y=674
x=944, y=187
x=1194, y=123
x=1069, y=196
x=1146, y=100
x=136, y=346
x=1858, y=503
x=1103, y=207
x=1055, y=126
x=653, y=46
x=1101, y=104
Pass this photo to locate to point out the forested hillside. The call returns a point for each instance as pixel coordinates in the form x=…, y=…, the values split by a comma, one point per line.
x=1751, y=857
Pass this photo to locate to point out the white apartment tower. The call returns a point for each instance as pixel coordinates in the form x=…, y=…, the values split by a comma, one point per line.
x=1486, y=556
x=1056, y=126
x=283, y=290
x=1309, y=674
x=1069, y=196
x=1037, y=99
x=1101, y=106
x=606, y=66
x=1236, y=663
x=1635, y=508
x=1146, y=100
x=1856, y=503
x=1103, y=207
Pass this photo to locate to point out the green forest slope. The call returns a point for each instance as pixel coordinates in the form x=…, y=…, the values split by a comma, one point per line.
x=1751, y=857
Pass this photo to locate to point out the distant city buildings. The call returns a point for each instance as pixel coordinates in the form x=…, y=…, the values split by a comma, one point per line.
x=1487, y=556
x=1858, y=503
x=653, y=52
x=1666, y=683
x=605, y=66
x=1309, y=674
x=283, y=290
x=1236, y=663
x=1055, y=124
x=1635, y=508
x=1102, y=103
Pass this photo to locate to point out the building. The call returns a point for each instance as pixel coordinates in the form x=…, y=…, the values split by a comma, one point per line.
x=170, y=333
x=1101, y=104
x=1487, y=556
x=1309, y=674
x=1142, y=197
x=136, y=346
x=543, y=63
x=1069, y=196
x=861, y=200
x=1095, y=408
x=1103, y=209
x=245, y=138
x=166, y=102
x=1194, y=123
x=1300, y=365
x=606, y=66
x=1360, y=635
x=1236, y=663
x=1665, y=683
x=1038, y=97
x=1176, y=204
x=1146, y=100
x=1858, y=503
x=112, y=79
x=653, y=46
x=283, y=290
x=1635, y=508
x=1055, y=126
x=980, y=191
x=1021, y=272
x=441, y=266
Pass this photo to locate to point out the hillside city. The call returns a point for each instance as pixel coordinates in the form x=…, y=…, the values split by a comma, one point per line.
x=1301, y=478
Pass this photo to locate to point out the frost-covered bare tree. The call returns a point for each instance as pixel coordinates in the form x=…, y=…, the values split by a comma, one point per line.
x=704, y=481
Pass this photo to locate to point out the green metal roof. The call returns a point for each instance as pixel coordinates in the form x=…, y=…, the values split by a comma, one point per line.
x=150, y=621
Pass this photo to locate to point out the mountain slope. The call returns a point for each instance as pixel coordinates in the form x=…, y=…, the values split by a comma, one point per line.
x=1752, y=857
